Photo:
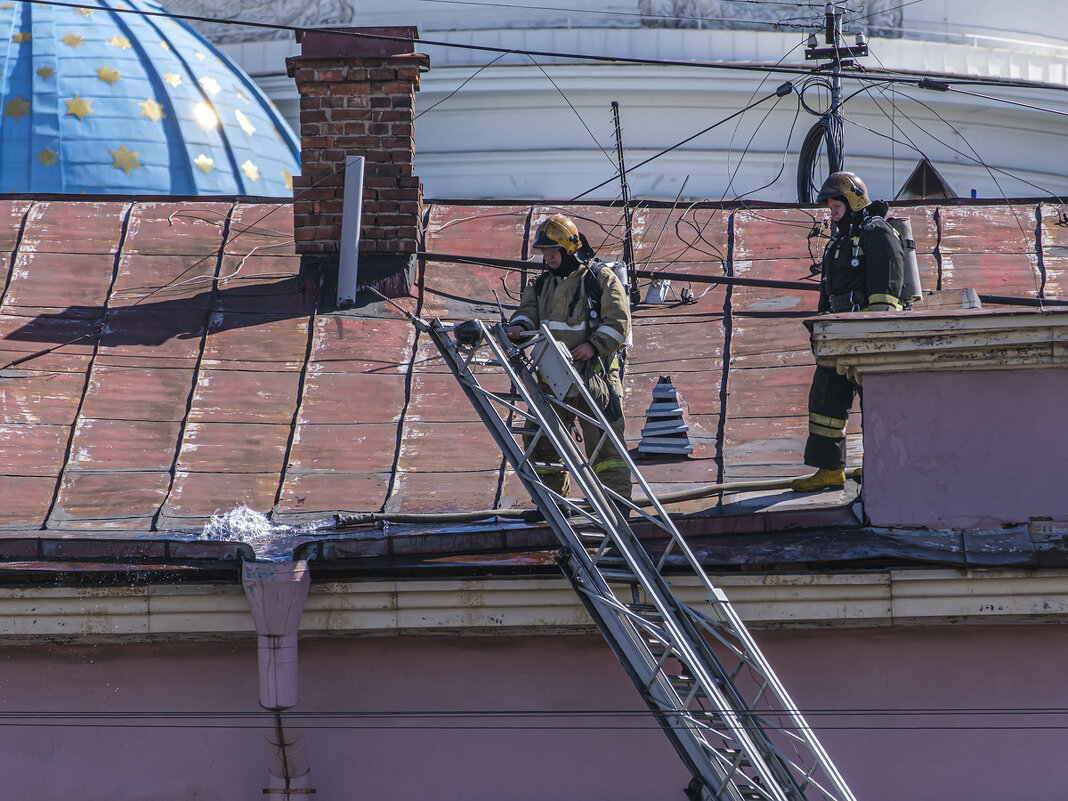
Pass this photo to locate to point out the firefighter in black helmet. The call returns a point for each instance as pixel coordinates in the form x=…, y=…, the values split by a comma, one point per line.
x=862, y=271
x=585, y=306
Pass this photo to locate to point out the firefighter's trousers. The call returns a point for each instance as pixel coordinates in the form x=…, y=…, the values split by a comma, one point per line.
x=829, y=401
x=610, y=468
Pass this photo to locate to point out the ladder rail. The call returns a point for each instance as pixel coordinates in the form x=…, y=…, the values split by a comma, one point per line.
x=545, y=381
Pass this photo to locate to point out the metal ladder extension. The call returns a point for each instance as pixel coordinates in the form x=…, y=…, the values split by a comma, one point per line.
x=699, y=670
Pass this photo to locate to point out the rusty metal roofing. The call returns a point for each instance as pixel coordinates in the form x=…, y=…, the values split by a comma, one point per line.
x=164, y=360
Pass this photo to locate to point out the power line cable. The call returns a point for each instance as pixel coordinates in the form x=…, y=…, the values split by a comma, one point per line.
x=466, y=81
x=733, y=174
x=640, y=14
x=936, y=85
x=903, y=75
x=783, y=90
x=572, y=107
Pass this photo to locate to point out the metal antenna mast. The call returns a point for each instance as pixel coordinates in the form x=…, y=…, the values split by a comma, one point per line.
x=628, y=217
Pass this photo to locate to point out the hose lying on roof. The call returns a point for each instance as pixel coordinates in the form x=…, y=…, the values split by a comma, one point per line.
x=366, y=518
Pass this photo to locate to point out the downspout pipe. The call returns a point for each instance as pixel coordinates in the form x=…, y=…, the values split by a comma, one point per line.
x=276, y=593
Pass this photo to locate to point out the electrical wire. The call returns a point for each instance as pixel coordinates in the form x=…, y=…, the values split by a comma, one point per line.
x=777, y=93
x=716, y=65
x=640, y=14
x=976, y=719
x=466, y=81
x=572, y=107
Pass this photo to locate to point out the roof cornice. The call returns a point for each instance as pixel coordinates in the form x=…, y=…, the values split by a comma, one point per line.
x=542, y=605
x=862, y=344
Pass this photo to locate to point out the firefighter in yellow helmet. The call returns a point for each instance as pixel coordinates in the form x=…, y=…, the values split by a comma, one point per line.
x=586, y=308
x=862, y=271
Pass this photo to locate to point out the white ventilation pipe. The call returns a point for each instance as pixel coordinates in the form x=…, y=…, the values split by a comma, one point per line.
x=351, y=220
x=276, y=593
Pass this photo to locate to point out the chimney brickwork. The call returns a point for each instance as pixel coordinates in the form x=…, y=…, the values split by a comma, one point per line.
x=357, y=98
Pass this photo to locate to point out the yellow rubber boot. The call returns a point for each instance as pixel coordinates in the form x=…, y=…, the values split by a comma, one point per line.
x=823, y=478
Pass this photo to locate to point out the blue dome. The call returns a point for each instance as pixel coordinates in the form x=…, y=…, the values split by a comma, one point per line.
x=102, y=100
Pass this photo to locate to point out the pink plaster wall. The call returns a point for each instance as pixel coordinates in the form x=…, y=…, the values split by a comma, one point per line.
x=969, y=450
x=215, y=754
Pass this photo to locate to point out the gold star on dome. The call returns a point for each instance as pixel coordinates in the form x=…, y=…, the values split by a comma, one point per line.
x=85, y=12
x=79, y=107
x=172, y=79
x=199, y=55
x=72, y=40
x=47, y=157
x=165, y=44
x=125, y=159
x=108, y=75
x=6, y=6
x=16, y=108
x=244, y=122
x=204, y=163
x=251, y=170
x=120, y=42
x=151, y=109
x=211, y=86
x=243, y=97
x=288, y=178
x=45, y=72
x=21, y=37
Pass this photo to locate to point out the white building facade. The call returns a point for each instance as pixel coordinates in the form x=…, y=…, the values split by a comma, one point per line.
x=515, y=122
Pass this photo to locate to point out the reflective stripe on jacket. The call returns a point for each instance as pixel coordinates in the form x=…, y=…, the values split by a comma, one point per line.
x=562, y=305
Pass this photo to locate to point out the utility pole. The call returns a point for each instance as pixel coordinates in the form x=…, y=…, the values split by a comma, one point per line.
x=828, y=129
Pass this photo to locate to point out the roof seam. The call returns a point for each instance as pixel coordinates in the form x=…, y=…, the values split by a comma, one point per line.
x=728, y=335
x=309, y=349
x=208, y=314
x=1039, y=245
x=15, y=251
x=66, y=464
x=409, y=377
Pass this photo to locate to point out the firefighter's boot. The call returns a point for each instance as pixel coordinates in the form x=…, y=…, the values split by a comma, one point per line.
x=824, y=478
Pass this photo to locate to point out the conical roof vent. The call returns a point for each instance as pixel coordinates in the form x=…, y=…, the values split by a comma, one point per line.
x=117, y=98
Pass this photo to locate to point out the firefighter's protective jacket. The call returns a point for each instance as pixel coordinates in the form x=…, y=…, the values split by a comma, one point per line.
x=864, y=264
x=562, y=304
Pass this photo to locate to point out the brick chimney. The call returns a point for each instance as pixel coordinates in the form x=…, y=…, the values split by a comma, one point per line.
x=357, y=98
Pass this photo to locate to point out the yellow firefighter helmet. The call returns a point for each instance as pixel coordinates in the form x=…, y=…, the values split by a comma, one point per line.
x=845, y=185
x=557, y=231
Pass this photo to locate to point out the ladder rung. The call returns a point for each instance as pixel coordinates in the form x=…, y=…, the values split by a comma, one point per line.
x=556, y=467
x=645, y=611
x=592, y=536
x=619, y=576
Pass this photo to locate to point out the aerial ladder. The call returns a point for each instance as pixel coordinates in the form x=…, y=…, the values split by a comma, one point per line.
x=698, y=669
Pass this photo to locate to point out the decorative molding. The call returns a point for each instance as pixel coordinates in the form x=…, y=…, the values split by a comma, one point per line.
x=294, y=13
x=535, y=605
x=877, y=17
x=860, y=344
